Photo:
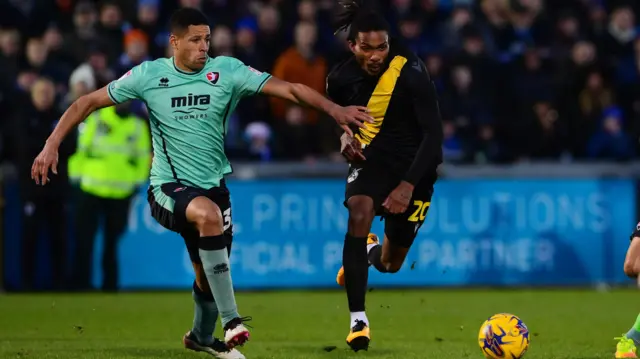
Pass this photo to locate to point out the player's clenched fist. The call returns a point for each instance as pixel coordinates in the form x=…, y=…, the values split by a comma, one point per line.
x=48, y=158
x=351, y=148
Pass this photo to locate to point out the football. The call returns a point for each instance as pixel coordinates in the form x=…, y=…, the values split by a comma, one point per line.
x=504, y=335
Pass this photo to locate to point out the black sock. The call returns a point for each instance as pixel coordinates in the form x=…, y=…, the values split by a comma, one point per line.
x=205, y=296
x=375, y=258
x=356, y=271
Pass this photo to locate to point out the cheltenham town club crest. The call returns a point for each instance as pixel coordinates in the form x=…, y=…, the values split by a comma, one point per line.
x=213, y=77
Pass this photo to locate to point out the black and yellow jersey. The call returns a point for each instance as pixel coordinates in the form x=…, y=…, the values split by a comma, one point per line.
x=407, y=132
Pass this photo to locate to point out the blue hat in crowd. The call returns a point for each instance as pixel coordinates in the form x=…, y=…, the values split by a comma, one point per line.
x=612, y=111
x=148, y=3
x=249, y=23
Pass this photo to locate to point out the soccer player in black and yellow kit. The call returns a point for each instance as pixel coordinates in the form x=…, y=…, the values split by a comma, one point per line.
x=393, y=161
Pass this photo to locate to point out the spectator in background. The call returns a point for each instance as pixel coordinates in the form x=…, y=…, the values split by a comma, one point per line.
x=247, y=50
x=84, y=36
x=147, y=20
x=88, y=77
x=100, y=67
x=475, y=57
x=545, y=135
x=43, y=207
x=9, y=55
x=136, y=51
x=271, y=35
x=487, y=148
x=30, y=17
x=567, y=34
x=301, y=64
x=258, y=137
x=112, y=160
x=399, y=10
x=26, y=79
x=597, y=15
x=451, y=31
x=592, y=99
x=411, y=30
x=254, y=107
x=37, y=61
x=308, y=12
x=52, y=40
x=611, y=142
x=195, y=4
x=532, y=80
x=81, y=82
x=617, y=42
x=435, y=66
x=296, y=136
x=9, y=50
x=500, y=30
x=464, y=103
x=595, y=96
x=222, y=42
x=109, y=29
x=584, y=57
x=452, y=145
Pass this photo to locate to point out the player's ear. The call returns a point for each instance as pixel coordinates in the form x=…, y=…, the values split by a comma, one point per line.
x=173, y=41
x=352, y=46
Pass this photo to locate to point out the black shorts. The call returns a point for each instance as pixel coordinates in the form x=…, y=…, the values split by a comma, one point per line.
x=175, y=219
x=377, y=182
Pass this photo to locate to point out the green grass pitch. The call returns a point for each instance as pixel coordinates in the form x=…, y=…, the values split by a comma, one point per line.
x=439, y=324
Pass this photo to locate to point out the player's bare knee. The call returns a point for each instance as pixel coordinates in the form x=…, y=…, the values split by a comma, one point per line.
x=209, y=223
x=360, y=219
x=393, y=267
x=631, y=268
x=361, y=214
x=390, y=265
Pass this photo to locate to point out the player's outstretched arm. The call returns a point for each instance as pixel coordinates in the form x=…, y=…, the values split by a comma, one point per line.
x=306, y=96
x=76, y=113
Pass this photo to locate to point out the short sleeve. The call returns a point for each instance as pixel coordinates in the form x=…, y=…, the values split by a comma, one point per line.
x=247, y=80
x=128, y=87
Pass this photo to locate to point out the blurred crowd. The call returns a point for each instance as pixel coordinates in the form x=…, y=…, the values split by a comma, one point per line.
x=518, y=79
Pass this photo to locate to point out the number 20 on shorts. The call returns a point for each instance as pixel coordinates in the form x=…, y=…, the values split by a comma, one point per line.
x=421, y=211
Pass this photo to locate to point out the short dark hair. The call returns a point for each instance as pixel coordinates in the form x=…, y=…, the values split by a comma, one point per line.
x=181, y=19
x=353, y=16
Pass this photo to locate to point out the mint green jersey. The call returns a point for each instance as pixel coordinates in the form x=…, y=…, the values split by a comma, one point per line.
x=188, y=114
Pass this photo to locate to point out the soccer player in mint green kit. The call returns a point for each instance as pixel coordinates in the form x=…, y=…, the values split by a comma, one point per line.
x=190, y=98
x=626, y=347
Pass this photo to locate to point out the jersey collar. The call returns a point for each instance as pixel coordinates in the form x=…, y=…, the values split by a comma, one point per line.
x=173, y=61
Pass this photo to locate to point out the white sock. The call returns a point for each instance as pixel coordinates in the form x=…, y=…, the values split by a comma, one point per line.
x=358, y=316
x=369, y=246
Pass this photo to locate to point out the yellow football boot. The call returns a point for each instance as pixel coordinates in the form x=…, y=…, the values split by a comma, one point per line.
x=626, y=348
x=371, y=239
x=359, y=336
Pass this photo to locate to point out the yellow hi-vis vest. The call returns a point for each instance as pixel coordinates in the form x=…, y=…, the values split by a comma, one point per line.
x=113, y=155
